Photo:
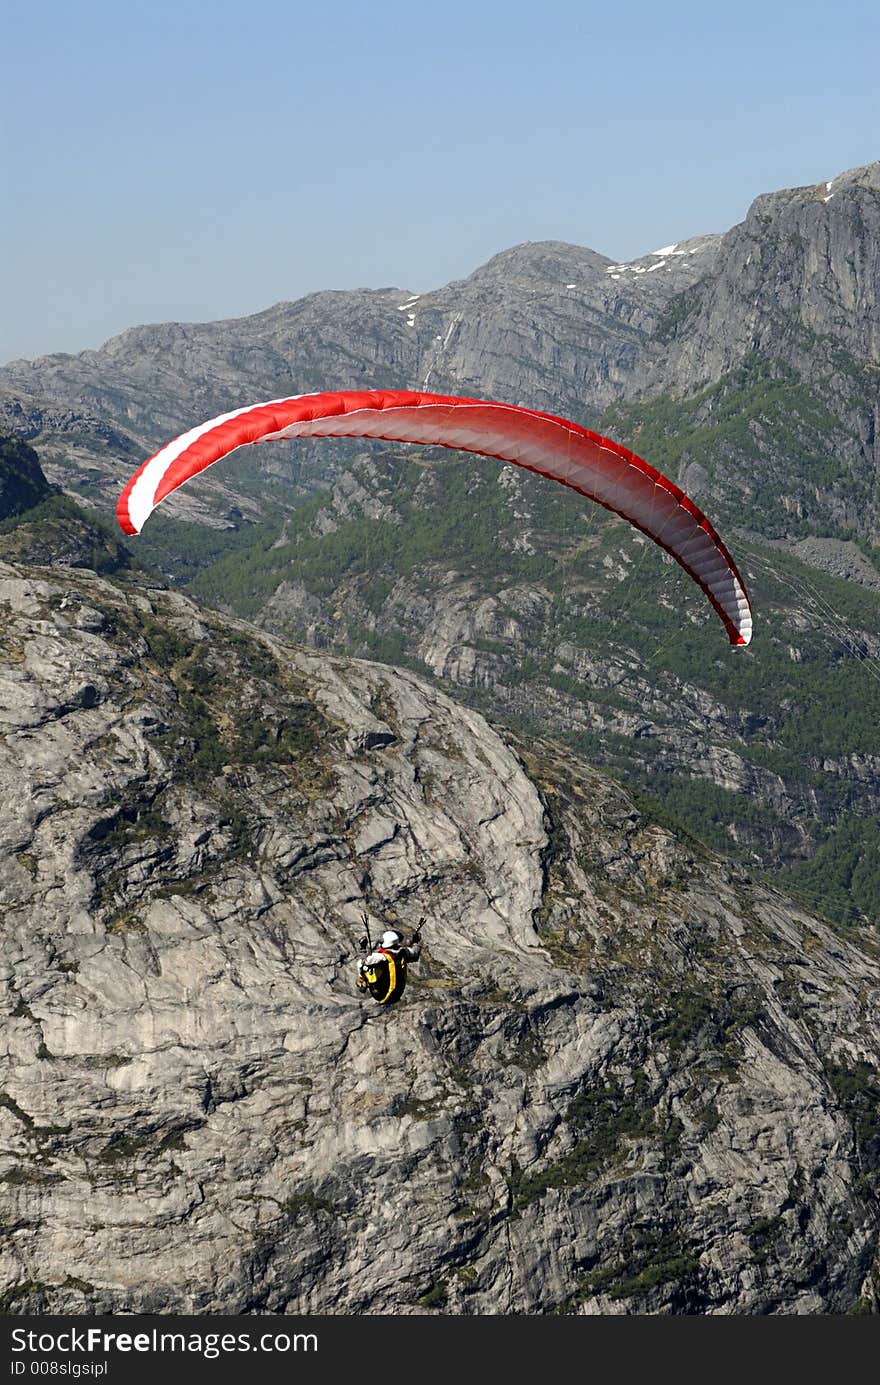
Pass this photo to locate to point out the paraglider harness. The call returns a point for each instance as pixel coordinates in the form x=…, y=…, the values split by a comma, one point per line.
x=385, y=978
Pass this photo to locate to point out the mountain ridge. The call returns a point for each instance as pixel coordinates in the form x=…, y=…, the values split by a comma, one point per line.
x=662, y=325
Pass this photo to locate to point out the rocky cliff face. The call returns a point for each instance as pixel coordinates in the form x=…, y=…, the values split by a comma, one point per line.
x=624, y=1077
x=22, y=483
x=797, y=279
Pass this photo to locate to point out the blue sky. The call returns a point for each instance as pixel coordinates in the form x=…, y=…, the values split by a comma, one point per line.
x=190, y=161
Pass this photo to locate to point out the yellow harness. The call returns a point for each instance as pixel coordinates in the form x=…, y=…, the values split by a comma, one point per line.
x=372, y=976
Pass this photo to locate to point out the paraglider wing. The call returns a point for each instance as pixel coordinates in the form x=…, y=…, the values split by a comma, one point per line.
x=596, y=467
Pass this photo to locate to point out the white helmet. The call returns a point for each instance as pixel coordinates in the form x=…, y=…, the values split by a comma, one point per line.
x=391, y=939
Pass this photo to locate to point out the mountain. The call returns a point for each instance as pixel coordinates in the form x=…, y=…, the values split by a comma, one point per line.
x=744, y=365
x=626, y=1076
x=550, y=325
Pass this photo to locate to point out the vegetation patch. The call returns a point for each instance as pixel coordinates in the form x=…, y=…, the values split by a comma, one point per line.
x=792, y=452
x=842, y=881
x=124, y=1149
x=25, y=1288
x=717, y=1018
x=653, y=1259
x=419, y=1110
x=435, y=1297
x=762, y=1235
x=527, y=1053
x=233, y=709
x=857, y=1089
x=23, y=1175
x=306, y=1204
x=602, y=1117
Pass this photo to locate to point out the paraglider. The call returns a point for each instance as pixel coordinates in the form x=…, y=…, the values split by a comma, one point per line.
x=382, y=970
x=594, y=466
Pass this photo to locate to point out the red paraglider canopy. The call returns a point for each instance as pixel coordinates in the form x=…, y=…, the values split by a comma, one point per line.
x=596, y=467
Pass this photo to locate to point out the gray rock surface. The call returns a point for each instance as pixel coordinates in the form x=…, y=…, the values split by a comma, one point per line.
x=804, y=264
x=624, y=1077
